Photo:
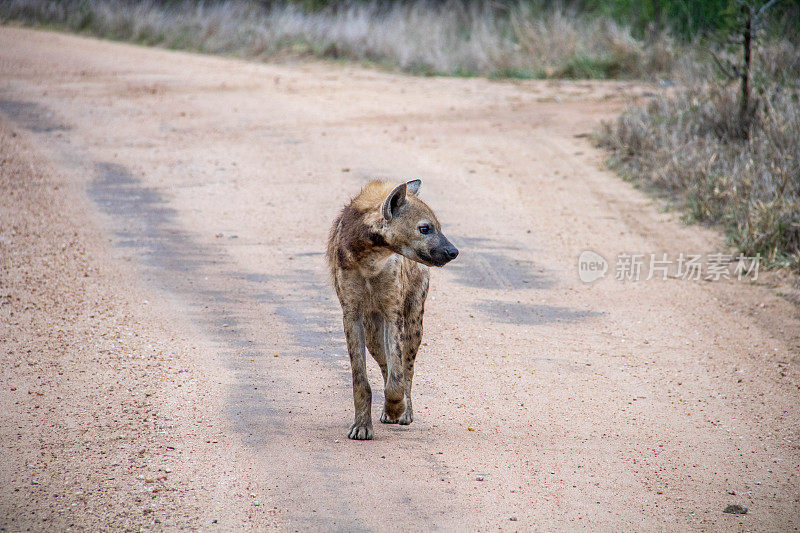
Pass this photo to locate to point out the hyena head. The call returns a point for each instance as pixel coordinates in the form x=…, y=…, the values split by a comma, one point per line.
x=412, y=229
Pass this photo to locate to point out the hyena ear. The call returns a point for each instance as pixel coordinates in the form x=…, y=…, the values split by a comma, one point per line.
x=393, y=202
x=412, y=187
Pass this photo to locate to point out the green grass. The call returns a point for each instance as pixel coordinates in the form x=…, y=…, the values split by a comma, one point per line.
x=591, y=67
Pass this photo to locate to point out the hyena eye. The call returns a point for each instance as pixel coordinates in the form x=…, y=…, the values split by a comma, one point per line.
x=424, y=229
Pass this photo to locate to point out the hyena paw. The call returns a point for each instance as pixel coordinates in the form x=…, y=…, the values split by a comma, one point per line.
x=358, y=432
x=386, y=419
x=407, y=418
x=392, y=411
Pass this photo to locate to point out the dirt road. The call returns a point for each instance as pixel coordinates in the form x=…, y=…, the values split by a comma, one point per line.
x=172, y=354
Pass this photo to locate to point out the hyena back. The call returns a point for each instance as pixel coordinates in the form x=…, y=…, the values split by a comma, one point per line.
x=379, y=251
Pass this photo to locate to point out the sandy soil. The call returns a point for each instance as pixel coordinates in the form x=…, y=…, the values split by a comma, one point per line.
x=172, y=355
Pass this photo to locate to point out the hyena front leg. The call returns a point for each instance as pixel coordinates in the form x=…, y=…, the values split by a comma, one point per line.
x=411, y=341
x=394, y=389
x=362, y=394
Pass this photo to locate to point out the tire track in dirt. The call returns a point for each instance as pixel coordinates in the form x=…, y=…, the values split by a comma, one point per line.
x=220, y=298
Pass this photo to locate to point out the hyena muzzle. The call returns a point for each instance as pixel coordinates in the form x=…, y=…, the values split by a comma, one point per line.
x=379, y=251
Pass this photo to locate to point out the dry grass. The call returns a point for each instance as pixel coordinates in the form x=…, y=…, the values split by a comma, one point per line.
x=689, y=146
x=523, y=40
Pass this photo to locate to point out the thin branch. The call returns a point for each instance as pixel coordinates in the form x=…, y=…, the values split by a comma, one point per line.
x=763, y=9
x=726, y=70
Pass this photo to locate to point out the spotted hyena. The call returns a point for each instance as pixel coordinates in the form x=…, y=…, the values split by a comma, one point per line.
x=379, y=251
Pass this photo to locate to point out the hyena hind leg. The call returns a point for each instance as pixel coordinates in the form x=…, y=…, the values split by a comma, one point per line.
x=394, y=387
x=411, y=341
x=374, y=330
x=376, y=336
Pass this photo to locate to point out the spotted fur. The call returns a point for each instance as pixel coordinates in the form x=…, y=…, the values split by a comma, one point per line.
x=379, y=252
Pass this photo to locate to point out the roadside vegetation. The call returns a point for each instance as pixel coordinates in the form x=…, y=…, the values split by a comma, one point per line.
x=520, y=39
x=725, y=145
x=686, y=147
x=722, y=146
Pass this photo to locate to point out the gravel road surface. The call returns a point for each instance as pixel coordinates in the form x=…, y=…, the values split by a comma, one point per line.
x=172, y=353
